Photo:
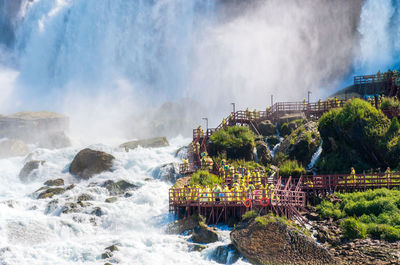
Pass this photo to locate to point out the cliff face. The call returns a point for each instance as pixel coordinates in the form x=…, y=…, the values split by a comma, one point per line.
x=32, y=126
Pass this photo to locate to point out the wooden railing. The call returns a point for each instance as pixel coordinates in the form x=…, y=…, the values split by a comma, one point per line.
x=348, y=182
x=277, y=110
x=195, y=197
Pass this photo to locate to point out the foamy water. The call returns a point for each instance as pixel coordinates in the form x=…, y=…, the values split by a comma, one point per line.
x=33, y=231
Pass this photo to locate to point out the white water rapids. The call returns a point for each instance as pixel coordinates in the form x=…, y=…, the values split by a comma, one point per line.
x=31, y=232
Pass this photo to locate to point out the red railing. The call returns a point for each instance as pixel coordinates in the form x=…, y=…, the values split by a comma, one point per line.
x=344, y=182
x=195, y=197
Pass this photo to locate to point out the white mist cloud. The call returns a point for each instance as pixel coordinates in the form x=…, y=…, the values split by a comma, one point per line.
x=7, y=85
x=275, y=47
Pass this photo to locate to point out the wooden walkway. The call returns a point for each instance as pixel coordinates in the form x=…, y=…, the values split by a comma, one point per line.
x=283, y=199
x=348, y=182
x=385, y=83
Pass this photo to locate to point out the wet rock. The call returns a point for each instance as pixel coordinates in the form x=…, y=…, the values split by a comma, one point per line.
x=118, y=188
x=50, y=192
x=266, y=128
x=70, y=187
x=180, y=226
x=112, y=248
x=13, y=147
x=71, y=207
x=272, y=241
x=88, y=163
x=51, y=206
x=264, y=156
x=168, y=172
x=54, y=182
x=55, y=140
x=204, y=235
x=97, y=211
x=111, y=199
x=30, y=168
x=146, y=143
x=84, y=197
x=272, y=141
x=226, y=254
x=148, y=179
x=106, y=255
x=197, y=247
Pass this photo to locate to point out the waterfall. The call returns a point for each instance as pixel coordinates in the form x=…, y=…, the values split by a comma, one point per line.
x=86, y=45
x=315, y=157
x=379, y=47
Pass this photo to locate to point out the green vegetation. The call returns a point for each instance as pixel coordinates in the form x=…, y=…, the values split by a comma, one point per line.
x=389, y=103
x=287, y=128
x=249, y=215
x=375, y=213
x=354, y=229
x=291, y=168
x=271, y=218
x=359, y=136
x=203, y=177
x=237, y=142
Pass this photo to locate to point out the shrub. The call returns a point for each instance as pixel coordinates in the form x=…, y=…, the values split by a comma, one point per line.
x=354, y=229
x=355, y=135
x=394, y=127
x=389, y=103
x=203, y=177
x=291, y=168
x=236, y=141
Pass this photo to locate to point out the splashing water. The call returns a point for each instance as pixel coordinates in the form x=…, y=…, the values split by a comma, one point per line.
x=315, y=157
x=36, y=231
x=379, y=47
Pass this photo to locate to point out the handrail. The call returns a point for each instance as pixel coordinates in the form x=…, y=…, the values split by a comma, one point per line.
x=193, y=197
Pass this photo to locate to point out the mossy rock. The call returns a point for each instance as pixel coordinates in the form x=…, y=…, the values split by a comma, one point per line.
x=266, y=128
x=301, y=144
x=50, y=192
x=264, y=156
x=112, y=248
x=111, y=199
x=54, y=182
x=84, y=197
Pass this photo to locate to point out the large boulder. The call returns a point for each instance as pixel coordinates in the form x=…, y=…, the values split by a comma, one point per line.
x=269, y=240
x=88, y=163
x=203, y=234
x=146, y=143
x=13, y=147
x=30, y=170
x=266, y=128
x=31, y=127
x=264, y=156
